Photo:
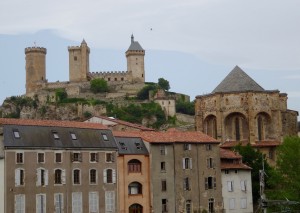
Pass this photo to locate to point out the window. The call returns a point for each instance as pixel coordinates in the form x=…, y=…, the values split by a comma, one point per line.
x=58, y=157
x=210, y=163
x=231, y=203
x=110, y=201
x=243, y=203
x=16, y=133
x=210, y=183
x=116, y=79
x=135, y=188
x=76, y=202
x=134, y=166
x=188, y=206
x=40, y=203
x=93, y=202
x=187, y=163
x=138, y=145
x=164, y=205
x=75, y=58
x=93, y=176
x=230, y=186
x=163, y=185
x=163, y=166
x=42, y=177
x=135, y=208
x=236, y=171
x=123, y=146
x=76, y=157
x=226, y=171
x=163, y=150
x=73, y=136
x=59, y=176
x=208, y=147
x=55, y=135
x=186, y=146
x=109, y=157
x=122, y=79
x=211, y=207
x=244, y=185
x=59, y=202
x=186, y=184
x=104, y=136
x=109, y=176
x=93, y=157
x=20, y=203
x=41, y=157
x=20, y=157
x=19, y=177
x=76, y=176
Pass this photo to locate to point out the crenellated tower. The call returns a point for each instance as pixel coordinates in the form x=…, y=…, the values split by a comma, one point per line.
x=135, y=61
x=79, y=62
x=35, y=67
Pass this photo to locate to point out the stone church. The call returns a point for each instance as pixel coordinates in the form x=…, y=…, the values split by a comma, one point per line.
x=239, y=110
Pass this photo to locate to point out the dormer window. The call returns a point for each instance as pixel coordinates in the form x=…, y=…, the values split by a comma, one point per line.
x=55, y=135
x=16, y=133
x=123, y=146
x=138, y=145
x=73, y=136
x=104, y=136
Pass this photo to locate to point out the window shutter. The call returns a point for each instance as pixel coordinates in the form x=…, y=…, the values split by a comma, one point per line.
x=38, y=177
x=63, y=176
x=72, y=157
x=46, y=177
x=114, y=176
x=112, y=157
x=97, y=157
x=38, y=204
x=17, y=177
x=191, y=166
x=80, y=157
x=104, y=176
x=183, y=163
x=206, y=183
x=215, y=183
x=207, y=162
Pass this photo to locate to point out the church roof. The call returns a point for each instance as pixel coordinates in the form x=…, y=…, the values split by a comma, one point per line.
x=237, y=81
x=134, y=45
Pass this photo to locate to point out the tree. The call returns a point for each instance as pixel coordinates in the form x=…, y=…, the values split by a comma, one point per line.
x=163, y=84
x=143, y=94
x=288, y=167
x=60, y=94
x=99, y=85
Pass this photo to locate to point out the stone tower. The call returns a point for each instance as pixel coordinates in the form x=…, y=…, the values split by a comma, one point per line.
x=135, y=61
x=35, y=68
x=79, y=62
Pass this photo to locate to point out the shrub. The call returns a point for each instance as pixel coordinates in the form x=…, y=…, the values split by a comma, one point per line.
x=99, y=85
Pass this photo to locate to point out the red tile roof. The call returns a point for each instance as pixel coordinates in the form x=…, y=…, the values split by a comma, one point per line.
x=225, y=153
x=54, y=123
x=169, y=136
x=125, y=123
x=230, y=144
x=234, y=166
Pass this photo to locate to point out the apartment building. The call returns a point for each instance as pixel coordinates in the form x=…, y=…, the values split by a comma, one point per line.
x=58, y=166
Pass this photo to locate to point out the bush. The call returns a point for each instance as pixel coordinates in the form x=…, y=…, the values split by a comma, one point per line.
x=60, y=94
x=185, y=107
x=143, y=94
x=99, y=85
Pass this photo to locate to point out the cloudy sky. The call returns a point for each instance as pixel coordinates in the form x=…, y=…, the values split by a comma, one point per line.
x=194, y=44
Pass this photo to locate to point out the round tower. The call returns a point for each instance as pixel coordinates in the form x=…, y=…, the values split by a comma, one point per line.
x=135, y=61
x=35, y=68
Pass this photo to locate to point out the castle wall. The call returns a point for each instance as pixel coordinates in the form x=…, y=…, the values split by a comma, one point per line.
x=113, y=77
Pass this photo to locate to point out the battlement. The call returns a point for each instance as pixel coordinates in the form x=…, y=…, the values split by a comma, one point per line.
x=109, y=73
x=36, y=49
x=74, y=47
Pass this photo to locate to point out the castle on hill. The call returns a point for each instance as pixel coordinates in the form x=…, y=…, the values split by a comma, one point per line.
x=125, y=83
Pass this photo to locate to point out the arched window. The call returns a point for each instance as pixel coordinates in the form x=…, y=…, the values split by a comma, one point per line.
x=134, y=166
x=260, y=128
x=109, y=176
x=135, y=188
x=237, y=129
x=136, y=208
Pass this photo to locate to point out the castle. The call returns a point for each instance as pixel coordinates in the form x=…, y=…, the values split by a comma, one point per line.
x=125, y=82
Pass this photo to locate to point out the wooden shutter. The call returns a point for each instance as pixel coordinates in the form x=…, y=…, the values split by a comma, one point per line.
x=97, y=157
x=183, y=163
x=206, y=183
x=191, y=166
x=63, y=176
x=38, y=177
x=114, y=176
x=80, y=157
x=215, y=183
x=72, y=157
x=104, y=176
x=46, y=177
x=17, y=177
x=93, y=202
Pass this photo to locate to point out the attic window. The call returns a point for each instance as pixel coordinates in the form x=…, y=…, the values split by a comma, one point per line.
x=104, y=136
x=123, y=146
x=138, y=145
x=73, y=136
x=55, y=135
x=16, y=133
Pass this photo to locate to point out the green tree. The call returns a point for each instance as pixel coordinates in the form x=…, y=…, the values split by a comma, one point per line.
x=185, y=107
x=288, y=167
x=143, y=94
x=60, y=94
x=98, y=85
x=163, y=84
